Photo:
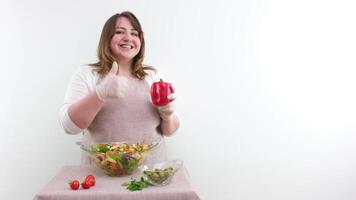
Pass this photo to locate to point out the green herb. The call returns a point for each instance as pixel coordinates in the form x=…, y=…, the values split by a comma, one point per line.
x=100, y=148
x=131, y=165
x=119, y=162
x=135, y=185
x=113, y=156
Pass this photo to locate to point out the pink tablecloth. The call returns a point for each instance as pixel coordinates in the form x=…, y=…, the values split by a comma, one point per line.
x=109, y=188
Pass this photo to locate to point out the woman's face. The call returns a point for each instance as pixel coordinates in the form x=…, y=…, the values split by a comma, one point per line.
x=125, y=44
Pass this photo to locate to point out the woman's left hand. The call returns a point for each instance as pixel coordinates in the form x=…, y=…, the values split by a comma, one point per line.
x=167, y=111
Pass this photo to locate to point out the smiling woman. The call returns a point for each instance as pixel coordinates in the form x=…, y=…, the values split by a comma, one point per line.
x=109, y=101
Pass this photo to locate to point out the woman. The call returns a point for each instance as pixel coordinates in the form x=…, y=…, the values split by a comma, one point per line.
x=110, y=100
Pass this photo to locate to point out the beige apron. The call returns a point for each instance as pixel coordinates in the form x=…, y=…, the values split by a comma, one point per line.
x=130, y=118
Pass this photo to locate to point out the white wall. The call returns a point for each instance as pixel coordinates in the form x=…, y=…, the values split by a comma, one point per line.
x=266, y=91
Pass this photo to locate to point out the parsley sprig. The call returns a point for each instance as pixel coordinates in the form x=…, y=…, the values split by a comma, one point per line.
x=135, y=185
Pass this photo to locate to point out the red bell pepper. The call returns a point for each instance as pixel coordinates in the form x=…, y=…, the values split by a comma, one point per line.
x=159, y=92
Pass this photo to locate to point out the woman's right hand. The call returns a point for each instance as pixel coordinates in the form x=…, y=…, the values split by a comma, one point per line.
x=113, y=85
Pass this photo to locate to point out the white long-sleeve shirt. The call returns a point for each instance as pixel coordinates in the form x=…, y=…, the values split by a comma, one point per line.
x=81, y=84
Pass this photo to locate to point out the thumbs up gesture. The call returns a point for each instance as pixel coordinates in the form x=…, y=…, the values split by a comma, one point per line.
x=112, y=85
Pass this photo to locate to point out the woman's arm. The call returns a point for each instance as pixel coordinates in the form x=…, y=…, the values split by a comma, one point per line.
x=84, y=98
x=168, y=127
x=83, y=112
x=79, y=96
x=169, y=120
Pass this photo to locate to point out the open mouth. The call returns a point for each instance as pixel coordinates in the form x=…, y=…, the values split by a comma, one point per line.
x=126, y=46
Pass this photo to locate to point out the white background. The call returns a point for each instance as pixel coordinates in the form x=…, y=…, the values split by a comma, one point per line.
x=266, y=91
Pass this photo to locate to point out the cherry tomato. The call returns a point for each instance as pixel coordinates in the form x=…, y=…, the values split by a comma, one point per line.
x=74, y=184
x=86, y=184
x=91, y=179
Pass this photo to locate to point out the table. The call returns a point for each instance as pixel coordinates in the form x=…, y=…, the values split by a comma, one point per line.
x=109, y=188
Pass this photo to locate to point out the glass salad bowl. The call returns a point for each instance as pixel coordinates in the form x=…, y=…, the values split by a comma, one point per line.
x=161, y=174
x=120, y=158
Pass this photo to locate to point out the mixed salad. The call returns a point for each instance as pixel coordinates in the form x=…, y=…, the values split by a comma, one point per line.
x=118, y=159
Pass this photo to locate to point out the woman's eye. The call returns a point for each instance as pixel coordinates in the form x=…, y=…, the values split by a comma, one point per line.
x=119, y=32
x=134, y=34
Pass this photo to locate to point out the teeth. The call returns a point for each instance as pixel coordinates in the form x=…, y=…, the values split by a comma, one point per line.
x=126, y=46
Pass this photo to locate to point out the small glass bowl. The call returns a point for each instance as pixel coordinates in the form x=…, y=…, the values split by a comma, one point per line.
x=161, y=174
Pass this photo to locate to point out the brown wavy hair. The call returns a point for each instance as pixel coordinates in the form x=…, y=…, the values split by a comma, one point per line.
x=106, y=57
